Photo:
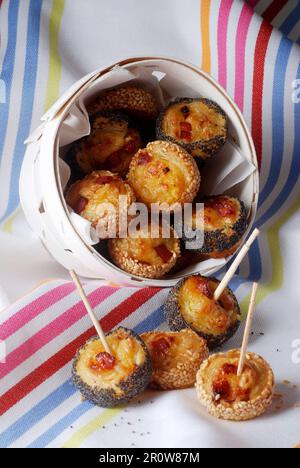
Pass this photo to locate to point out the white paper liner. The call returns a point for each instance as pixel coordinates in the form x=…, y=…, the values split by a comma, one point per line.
x=227, y=171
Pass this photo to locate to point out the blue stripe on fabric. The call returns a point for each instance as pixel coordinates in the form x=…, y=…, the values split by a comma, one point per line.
x=236, y=282
x=294, y=172
x=151, y=322
x=61, y=425
x=29, y=85
x=293, y=178
x=56, y=398
x=283, y=56
x=285, y=48
x=291, y=21
x=8, y=69
x=39, y=411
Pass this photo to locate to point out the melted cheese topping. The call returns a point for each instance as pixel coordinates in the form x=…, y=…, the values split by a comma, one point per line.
x=249, y=386
x=205, y=122
x=110, y=145
x=203, y=313
x=98, y=189
x=171, y=349
x=159, y=177
x=128, y=354
x=220, y=213
x=147, y=251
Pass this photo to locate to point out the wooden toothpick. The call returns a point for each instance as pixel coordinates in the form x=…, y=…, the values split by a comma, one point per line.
x=249, y=321
x=231, y=272
x=90, y=311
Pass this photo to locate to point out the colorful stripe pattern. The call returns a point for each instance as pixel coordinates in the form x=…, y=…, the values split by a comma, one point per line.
x=15, y=130
x=265, y=79
x=55, y=315
x=39, y=407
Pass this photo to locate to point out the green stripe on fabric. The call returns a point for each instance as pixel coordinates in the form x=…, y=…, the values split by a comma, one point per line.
x=55, y=67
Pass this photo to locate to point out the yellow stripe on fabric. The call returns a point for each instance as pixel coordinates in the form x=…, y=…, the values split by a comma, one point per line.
x=205, y=34
x=276, y=257
x=8, y=223
x=54, y=74
x=80, y=436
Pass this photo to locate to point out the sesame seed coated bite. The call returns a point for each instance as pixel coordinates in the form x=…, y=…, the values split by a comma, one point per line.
x=229, y=396
x=128, y=98
x=164, y=173
x=145, y=256
x=176, y=358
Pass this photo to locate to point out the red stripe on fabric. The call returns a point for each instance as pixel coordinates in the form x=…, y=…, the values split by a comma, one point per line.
x=62, y=357
x=53, y=329
x=273, y=10
x=224, y=14
x=240, y=54
x=35, y=308
x=253, y=3
x=258, y=84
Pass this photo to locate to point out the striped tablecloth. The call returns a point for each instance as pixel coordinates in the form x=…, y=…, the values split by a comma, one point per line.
x=251, y=49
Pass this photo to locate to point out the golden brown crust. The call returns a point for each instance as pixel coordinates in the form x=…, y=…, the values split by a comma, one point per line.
x=225, y=223
x=236, y=410
x=88, y=196
x=191, y=304
x=176, y=358
x=110, y=146
x=164, y=173
x=112, y=380
x=143, y=257
x=198, y=125
x=129, y=98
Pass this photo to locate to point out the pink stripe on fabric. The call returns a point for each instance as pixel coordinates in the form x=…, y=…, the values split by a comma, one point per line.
x=240, y=53
x=224, y=13
x=35, y=308
x=54, y=329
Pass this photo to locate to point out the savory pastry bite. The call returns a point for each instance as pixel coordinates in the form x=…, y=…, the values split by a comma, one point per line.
x=191, y=304
x=111, y=380
x=164, y=173
x=176, y=358
x=229, y=396
x=128, y=98
x=225, y=223
x=92, y=196
x=199, y=125
x=144, y=256
x=110, y=146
